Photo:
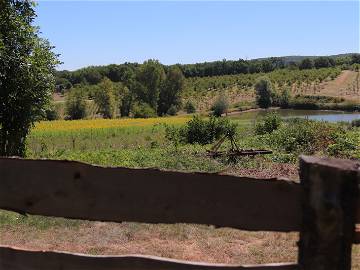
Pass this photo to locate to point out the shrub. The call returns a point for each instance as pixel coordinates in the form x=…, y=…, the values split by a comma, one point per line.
x=342, y=146
x=271, y=122
x=76, y=104
x=172, y=110
x=305, y=136
x=220, y=106
x=306, y=63
x=284, y=99
x=143, y=110
x=51, y=113
x=263, y=90
x=190, y=107
x=201, y=131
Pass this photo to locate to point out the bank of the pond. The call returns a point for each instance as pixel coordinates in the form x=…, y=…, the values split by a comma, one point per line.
x=320, y=115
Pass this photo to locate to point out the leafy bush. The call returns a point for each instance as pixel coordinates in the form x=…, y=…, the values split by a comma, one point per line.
x=271, y=122
x=343, y=146
x=220, y=106
x=201, y=131
x=263, y=88
x=76, y=104
x=143, y=110
x=303, y=136
x=284, y=99
x=190, y=107
x=51, y=113
x=172, y=110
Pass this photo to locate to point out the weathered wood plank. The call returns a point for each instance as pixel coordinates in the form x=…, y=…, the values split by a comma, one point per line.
x=357, y=235
x=358, y=210
x=76, y=190
x=330, y=197
x=15, y=259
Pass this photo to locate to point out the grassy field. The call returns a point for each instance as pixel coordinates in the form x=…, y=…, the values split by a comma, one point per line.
x=143, y=143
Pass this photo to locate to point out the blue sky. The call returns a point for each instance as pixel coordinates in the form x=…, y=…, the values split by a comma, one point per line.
x=104, y=32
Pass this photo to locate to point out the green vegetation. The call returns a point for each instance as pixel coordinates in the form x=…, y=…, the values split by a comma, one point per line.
x=297, y=82
x=221, y=105
x=151, y=89
x=164, y=87
x=201, y=131
x=27, y=65
x=105, y=99
x=170, y=95
x=120, y=73
x=183, y=147
x=322, y=103
x=143, y=110
x=76, y=105
x=271, y=122
x=11, y=219
x=179, y=147
x=190, y=107
x=264, y=92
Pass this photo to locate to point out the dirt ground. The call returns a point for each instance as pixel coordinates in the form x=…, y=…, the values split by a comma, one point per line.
x=342, y=86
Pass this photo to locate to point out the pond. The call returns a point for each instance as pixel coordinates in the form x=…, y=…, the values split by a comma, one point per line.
x=329, y=116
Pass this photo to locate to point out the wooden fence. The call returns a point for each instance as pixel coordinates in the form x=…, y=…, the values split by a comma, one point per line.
x=324, y=207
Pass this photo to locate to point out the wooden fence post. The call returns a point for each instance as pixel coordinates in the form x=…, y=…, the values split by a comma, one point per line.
x=330, y=192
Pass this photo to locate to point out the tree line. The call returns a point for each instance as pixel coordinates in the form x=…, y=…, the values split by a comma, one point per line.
x=141, y=91
x=120, y=73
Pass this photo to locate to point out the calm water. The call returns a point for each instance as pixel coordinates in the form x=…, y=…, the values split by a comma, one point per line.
x=329, y=116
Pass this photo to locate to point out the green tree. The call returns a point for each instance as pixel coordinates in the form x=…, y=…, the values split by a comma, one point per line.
x=263, y=88
x=75, y=104
x=190, y=107
x=306, y=63
x=221, y=105
x=322, y=62
x=284, y=99
x=143, y=110
x=105, y=98
x=27, y=66
x=171, y=90
x=125, y=100
x=150, y=75
x=355, y=58
x=271, y=122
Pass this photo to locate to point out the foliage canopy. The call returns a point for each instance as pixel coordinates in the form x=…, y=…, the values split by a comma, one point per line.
x=27, y=66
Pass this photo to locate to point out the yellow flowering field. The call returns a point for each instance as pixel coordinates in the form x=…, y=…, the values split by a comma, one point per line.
x=62, y=125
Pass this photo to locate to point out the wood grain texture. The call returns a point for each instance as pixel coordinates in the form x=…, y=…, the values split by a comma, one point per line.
x=351, y=166
x=330, y=198
x=77, y=190
x=15, y=259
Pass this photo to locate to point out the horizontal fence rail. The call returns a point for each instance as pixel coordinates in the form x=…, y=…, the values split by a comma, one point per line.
x=14, y=259
x=77, y=190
